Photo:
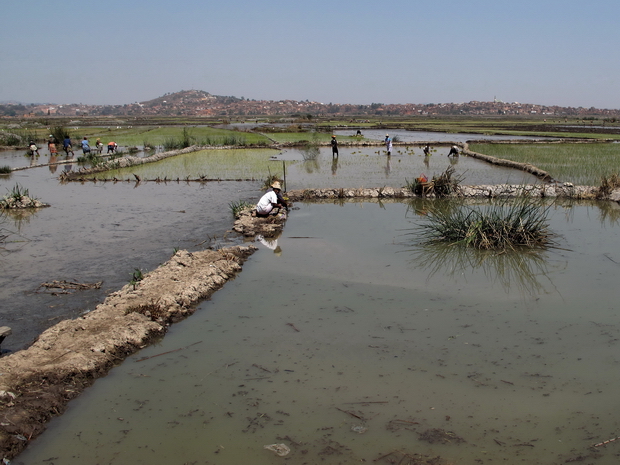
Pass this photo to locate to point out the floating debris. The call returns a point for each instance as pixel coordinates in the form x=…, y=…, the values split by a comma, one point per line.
x=281, y=450
x=359, y=429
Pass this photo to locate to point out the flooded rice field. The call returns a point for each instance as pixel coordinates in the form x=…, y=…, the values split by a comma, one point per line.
x=421, y=136
x=343, y=340
x=347, y=344
x=97, y=233
x=316, y=168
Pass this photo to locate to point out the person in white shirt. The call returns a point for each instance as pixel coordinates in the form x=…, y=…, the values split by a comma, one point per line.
x=272, y=199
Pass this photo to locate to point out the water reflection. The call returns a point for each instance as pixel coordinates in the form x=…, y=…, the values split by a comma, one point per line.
x=270, y=243
x=15, y=222
x=525, y=270
x=335, y=165
x=52, y=164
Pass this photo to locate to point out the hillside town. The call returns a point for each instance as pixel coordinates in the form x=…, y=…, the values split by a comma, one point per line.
x=201, y=103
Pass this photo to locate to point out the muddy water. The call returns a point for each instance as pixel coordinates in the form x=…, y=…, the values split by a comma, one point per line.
x=97, y=232
x=348, y=344
x=103, y=231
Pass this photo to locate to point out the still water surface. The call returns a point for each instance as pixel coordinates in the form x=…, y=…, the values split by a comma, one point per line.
x=348, y=344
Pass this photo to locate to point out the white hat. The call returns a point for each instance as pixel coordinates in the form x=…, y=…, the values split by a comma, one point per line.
x=276, y=185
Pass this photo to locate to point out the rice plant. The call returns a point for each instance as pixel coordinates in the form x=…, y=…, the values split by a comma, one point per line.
x=502, y=225
x=577, y=162
x=5, y=169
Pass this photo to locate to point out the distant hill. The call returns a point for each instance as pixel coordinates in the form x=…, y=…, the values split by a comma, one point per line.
x=201, y=103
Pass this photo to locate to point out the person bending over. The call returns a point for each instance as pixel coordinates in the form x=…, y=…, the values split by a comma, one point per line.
x=271, y=201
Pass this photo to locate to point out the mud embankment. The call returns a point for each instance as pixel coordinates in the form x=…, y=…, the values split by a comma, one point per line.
x=560, y=190
x=37, y=383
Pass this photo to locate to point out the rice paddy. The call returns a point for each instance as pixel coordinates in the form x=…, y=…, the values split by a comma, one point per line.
x=582, y=164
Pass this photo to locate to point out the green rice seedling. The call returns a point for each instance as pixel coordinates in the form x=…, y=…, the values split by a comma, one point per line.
x=5, y=169
x=136, y=277
x=236, y=207
x=504, y=224
x=579, y=163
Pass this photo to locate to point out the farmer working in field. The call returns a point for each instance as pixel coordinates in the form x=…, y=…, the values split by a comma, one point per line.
x=454, y=151
x=388, y=145
x=66, y=144
x=271, y=202
x=334, y=147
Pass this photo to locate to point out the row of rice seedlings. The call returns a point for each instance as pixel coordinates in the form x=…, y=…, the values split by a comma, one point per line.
x=506, y=224
x=212, y=164
x=582, y=164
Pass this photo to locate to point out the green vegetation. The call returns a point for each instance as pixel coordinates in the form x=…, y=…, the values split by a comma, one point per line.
x=444, y=185
x=608, y=184
x=583, y=164
x=213, y=164
x=316, y=137
x=18, y=193
x=60, y=133
x=5, y=169
x=136, y=277
x=237, y=207
x=94, y=158
x=504, y=224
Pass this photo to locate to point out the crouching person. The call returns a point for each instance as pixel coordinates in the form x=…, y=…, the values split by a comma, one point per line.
x=271, y=202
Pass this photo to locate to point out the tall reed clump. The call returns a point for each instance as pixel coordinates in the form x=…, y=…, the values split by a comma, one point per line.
x=60, y=133
x=608, y=184
x=503, y=225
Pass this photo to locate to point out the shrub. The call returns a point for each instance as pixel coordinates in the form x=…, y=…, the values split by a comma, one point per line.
x=60, y=133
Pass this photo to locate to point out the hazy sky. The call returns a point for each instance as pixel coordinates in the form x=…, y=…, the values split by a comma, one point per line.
x=553, y=52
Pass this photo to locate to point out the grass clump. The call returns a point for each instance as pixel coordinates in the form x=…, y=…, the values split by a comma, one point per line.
x=239, y=206
x=608, y=184
x=503, y=225
x=18, y=193
x=444, y=185
x=5, y=169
